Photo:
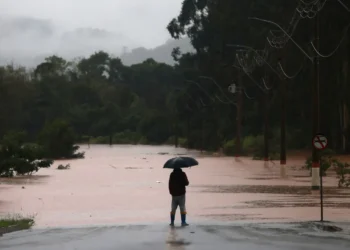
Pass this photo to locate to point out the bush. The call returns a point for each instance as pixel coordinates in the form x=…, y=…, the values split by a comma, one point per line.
x=17, y=158
x=343, y=174
x=99, y=140
x=143, y=140
x=259, y=148
x=127, y=137
x=229, y=147
x=182, y=142
x=249, y=145
x=327, y=161
x=170, y=140
x=85, y=139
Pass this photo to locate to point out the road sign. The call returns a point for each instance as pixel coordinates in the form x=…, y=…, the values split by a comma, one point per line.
x=232, y=88
x=320, y=141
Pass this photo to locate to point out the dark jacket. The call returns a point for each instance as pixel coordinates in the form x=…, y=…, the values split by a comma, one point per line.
x=178, y=182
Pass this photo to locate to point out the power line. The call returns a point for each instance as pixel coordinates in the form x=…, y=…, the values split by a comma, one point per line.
x=336, y=49
x=245, y=93
x=265, y=85
x=211, y=79
x=343, y=4
x=287, y=75
x=196, y=83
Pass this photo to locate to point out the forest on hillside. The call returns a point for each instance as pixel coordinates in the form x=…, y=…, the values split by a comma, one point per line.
x=100, y=100
x=98, y=96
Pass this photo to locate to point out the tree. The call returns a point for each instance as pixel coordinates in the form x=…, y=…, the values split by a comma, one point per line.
x=100, y=97
x=211, y=25
x=17, y=158
x=57, y=139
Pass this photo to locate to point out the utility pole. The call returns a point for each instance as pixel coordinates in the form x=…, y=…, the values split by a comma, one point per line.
x=317, y=178
x=239, y=115
x=283, y=94
x=110, y=140
x=176, y=130
x=266, y=128
x=202, y=127
x=266, y=107
x=315, y=181
x=188, y=129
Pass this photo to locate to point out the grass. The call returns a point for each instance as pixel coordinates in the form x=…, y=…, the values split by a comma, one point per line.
x=13, y=223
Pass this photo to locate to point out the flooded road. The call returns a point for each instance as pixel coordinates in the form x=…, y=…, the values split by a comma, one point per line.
x=126, y=184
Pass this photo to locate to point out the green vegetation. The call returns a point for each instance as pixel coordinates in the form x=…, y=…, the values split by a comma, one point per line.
x=254, y=146
x=343, y=174
x=213, y=25
x=327, y=161
x=97, y=99
x=19, y=158
x=13, y=223
x=57, y=139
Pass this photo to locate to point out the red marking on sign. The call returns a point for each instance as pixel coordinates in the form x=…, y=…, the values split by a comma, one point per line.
x=318, y=139
x=320, y=142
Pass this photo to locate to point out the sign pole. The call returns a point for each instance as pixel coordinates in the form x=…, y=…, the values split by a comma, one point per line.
x=321, y=194
x=317, y=23
x=238, y=141
x=320, y=142
x=315, y=182
x=283, y=153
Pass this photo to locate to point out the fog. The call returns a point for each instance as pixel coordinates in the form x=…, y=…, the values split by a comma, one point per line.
x=33, y=29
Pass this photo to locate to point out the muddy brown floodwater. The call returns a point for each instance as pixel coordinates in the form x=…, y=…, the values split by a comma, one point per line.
x=126, y=184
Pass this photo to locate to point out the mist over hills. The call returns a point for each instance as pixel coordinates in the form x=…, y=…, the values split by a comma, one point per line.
x=161, y=53
x=27, y=41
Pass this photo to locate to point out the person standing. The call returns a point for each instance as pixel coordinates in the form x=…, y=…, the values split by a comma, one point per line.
x=177, y=189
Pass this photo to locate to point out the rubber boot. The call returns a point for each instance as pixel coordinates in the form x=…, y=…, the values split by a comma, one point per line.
x=183, y=220
x=172, y=219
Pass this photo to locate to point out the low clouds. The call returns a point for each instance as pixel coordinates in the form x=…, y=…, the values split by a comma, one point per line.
x=10, y=28
x=23, y=38
x=28, y=40
x=31, y=30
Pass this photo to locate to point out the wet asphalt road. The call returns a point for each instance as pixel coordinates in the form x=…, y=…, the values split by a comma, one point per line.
x=204, y=237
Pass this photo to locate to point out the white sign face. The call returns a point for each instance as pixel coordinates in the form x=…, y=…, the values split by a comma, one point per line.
x=320, y=141
x=232, y=88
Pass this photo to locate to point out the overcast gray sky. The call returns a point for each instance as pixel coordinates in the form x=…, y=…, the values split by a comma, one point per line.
x=31, y=28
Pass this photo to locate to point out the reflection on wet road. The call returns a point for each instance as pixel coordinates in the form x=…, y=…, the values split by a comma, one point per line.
x=126, y=184
x=174, y=241
x=289, y=236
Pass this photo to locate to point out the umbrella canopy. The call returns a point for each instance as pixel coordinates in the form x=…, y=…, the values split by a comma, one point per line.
x=181, y=162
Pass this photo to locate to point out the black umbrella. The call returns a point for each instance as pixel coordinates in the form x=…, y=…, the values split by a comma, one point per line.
x=181, y=162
